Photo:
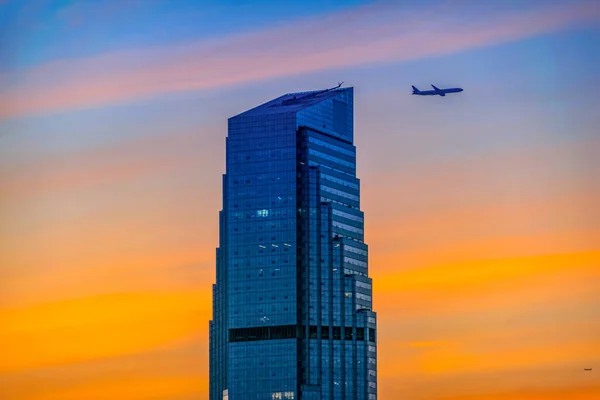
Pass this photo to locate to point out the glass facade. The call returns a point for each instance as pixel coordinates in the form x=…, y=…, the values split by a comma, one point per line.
x=292, y=305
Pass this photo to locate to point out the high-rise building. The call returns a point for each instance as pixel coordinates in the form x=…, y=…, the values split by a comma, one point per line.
x=292, y=305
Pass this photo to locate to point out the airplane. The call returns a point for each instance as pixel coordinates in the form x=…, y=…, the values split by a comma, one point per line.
x=587, y=369
x=436, y=91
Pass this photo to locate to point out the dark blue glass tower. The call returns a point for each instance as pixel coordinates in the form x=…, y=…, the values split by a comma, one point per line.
x=292, y=306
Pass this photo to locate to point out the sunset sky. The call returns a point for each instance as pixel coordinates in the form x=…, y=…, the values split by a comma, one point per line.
x=482, y=209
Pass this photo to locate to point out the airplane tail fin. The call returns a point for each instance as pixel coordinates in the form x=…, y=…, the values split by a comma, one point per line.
x=415, y=90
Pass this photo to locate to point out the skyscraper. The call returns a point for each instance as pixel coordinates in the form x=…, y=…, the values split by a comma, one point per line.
x=292, y=306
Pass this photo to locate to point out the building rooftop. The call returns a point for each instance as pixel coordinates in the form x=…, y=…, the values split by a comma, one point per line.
x=292, y=102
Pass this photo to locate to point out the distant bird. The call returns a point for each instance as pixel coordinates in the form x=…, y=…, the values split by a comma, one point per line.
x=587, y=369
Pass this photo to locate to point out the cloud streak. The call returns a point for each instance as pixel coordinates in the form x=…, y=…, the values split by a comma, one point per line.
x=74, y=330
x=380, y=33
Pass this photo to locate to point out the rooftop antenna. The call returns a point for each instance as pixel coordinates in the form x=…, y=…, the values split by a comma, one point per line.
x=310, y=94
x=327, y=90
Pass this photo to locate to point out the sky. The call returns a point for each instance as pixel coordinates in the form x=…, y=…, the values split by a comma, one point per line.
x=481, y=208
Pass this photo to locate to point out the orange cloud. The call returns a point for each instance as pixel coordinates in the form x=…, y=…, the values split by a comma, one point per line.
x=476, y=273
x=426, y=344
x=589, y=392
x=178, y=387
x=371, y=34
x=422, y=312
x=77, y=330
x=182, y=363
x=443, y=326
x=460, y=359
x=487, y=358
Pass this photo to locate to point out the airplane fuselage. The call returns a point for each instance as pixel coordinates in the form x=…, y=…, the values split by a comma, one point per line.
x=436, y=91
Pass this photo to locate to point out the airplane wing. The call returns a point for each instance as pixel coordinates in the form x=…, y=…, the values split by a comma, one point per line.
x=438, y=90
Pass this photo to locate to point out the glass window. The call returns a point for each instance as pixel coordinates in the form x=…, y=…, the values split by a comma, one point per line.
x=339, y=193
x=331, y=146
x=339, y=181
x=331, y=158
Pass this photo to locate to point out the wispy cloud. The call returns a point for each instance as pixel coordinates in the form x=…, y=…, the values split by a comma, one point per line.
x=62, y=332
x=366, y=35
x=427, y=344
